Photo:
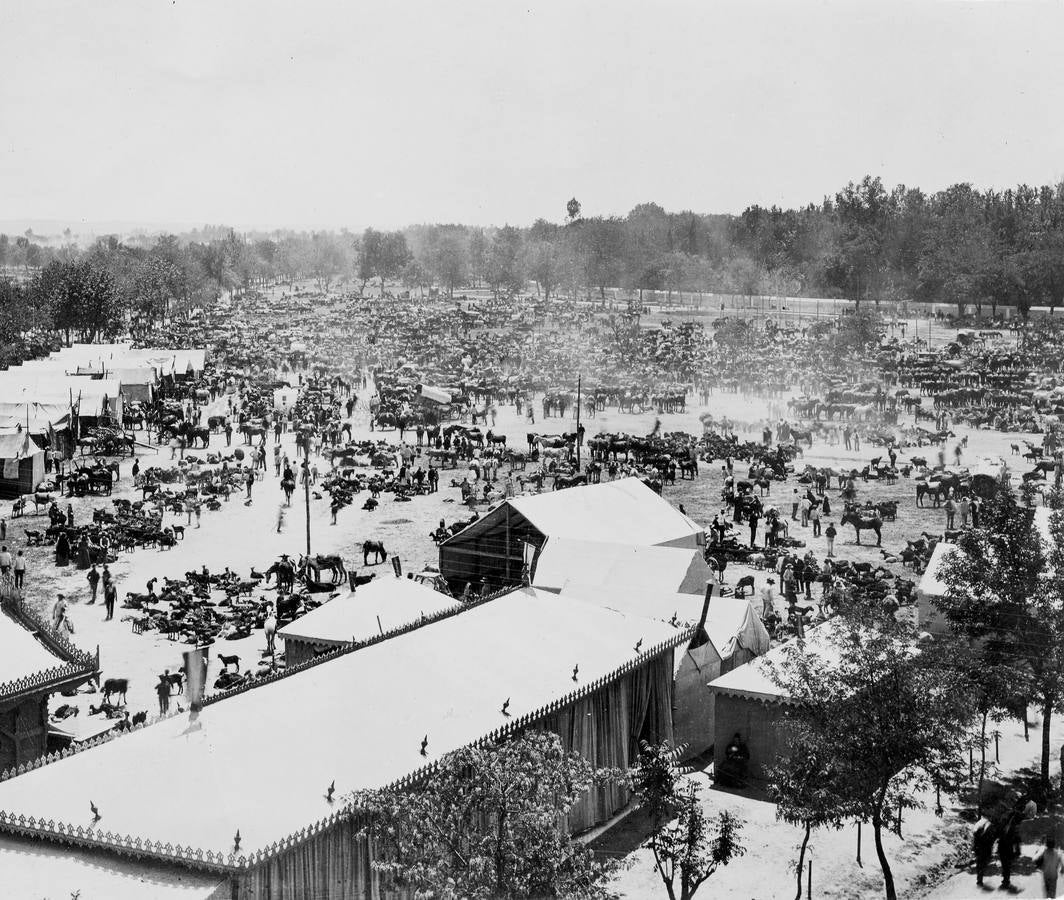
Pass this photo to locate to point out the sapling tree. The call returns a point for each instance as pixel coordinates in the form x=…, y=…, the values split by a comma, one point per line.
x=873, y=718
x=688, y=847
x=1001, y=601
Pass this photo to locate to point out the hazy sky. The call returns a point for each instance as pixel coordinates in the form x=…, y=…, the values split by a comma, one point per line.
x=353, y=113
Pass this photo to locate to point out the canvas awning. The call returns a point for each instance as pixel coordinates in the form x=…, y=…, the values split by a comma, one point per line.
x=435, y=394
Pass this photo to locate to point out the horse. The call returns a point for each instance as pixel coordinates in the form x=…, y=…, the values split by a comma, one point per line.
x=864, y=523
x=117, y=686
x=377, y=549
x=332, y=564
x=567, y=481
x=285, y=572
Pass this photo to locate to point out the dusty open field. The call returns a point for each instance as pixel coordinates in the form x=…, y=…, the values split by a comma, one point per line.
x=244, y=536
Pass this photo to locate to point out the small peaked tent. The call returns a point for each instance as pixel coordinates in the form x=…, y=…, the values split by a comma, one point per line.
x=491, y=550
x=383, y=605
x=21, y=464
x=931, y=588
x=749, y=702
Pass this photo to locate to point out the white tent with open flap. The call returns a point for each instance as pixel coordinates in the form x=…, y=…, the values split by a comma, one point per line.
x=21, y=464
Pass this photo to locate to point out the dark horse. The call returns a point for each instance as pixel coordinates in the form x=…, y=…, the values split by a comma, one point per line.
x=315, y=565
x=377, y=549
x=865, y=523
x=285, y=572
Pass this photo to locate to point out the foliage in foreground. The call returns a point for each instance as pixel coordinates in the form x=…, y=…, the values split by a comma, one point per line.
x=489, y=823
x=685, y=844
x=875, y=718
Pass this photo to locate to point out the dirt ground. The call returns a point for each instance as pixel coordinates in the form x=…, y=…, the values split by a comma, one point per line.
x=244, y=536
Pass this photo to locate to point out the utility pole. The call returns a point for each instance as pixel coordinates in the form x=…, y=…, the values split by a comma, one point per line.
x=579, y=385
x=306, y=485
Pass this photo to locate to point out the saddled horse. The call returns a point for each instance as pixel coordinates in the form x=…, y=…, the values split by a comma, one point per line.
x=862, y=522
x=334, y=565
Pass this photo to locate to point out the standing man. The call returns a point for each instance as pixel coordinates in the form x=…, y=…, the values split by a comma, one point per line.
x=983, y=845
x=93, y=577
x=5, y=560
x=20, y=570
x=110, y=594
x=794, y=505
x=830, y=533
x=162, y=690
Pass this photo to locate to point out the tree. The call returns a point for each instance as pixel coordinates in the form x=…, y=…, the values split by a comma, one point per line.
x=572, y=209
x=80, y=296
x=858, y=331
x=682, y=841
x=328, y=259
x=956, y=256
x=803, y=791
x=998, y=599
x=486, y=824
x=449, y=257
x=504, y=270
x=876, y=715
x=478, y=255
x=543, y=263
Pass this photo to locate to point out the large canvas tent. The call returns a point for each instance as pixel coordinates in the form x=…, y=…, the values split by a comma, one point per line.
x=598, y=563
x=734, y=635
x=21, y=464
x=443, y=683
x=491, y=551
x=376, y=608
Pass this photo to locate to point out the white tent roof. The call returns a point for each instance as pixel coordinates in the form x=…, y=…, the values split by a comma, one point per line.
x=931, y=583
x=38, y=415
x=435, y=393
x=755, y=677
x=17, y=446
x=624, y=511
x=33, y=869
x=731, y=622
x=657, y=569
x=21, y=654
x=382, y=605
x=358, y=719
x=133, y=374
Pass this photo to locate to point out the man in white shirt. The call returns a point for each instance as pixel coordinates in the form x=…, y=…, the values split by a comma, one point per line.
x=20, y=570
x=5, y=560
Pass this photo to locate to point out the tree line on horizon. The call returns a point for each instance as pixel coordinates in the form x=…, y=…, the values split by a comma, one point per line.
x=958, y=246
